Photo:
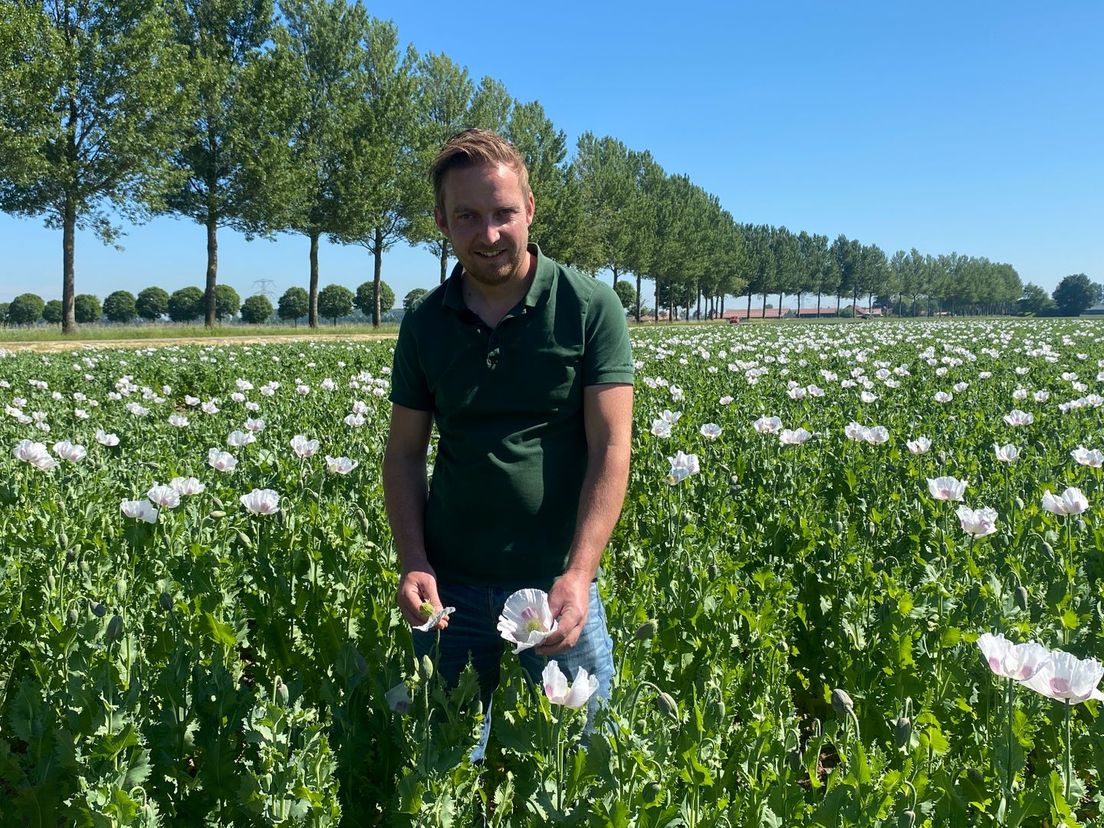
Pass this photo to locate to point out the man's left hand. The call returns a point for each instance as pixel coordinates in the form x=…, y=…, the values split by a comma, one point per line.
x=569, y=600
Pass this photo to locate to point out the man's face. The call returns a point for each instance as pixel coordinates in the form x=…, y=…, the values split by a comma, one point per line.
x=486, y=217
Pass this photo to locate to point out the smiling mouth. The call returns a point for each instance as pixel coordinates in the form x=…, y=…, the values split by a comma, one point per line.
x=493, y=255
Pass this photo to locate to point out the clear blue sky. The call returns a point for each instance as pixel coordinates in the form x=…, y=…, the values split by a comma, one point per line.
x=973, y=127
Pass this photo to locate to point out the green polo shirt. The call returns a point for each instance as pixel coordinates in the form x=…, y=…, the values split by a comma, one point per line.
x=508, y=405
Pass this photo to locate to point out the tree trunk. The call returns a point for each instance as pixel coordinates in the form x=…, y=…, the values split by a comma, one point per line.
x=209, y=316
x=68, y=278
x=657, y=300
x=697, y=310
x=638, y=298
x=376, y=274
x=749, y=307
x=312, y=302
x=444, y=259
x=799, y=306
x=838, y=298
x=722, y=305
x=613, y=284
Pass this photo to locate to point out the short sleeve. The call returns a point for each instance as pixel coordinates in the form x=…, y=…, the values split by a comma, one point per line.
x=408, y=381
x=607, y=355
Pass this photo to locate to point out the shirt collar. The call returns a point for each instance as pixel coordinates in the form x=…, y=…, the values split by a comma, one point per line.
x=538, y=288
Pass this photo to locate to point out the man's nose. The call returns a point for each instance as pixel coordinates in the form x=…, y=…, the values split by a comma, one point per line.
x=488, y=230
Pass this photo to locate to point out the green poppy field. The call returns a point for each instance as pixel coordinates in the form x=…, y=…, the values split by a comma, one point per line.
x=197, y=600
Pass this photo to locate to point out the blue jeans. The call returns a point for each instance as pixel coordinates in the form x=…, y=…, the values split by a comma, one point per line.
x=472, y=634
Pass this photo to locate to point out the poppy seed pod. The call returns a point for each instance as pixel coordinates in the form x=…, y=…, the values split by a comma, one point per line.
x=98, y=609
x=426, y=667
x=647, y=630
x=841, y=703
x=114, y=629
x=1021, y=597
x=667, y=705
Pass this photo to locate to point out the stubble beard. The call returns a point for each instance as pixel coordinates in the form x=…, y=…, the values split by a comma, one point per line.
x=494, y=275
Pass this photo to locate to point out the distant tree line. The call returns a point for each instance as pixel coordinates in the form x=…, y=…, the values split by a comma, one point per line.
x=154, y=304
x=310, y=119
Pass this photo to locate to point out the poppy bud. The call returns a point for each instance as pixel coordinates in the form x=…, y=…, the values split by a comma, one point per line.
x=70, y=556
x=72, y=617
x=652, y=791
x=98, y=609
x=667, y=705
x=714, y=572
x=165, y=601
x=1048, y=550
x=839, y=527
x=1021, y=597
x=426, y=668
x=647, y=630
x=902, y=731
x=1019, y=502
x=907, y=819
x=114, y=629
x=218, y=513
x=51, y=582
x=942, y=458
x=120, y=589
x=84, y=569
x=244, y=539
x=841, y=703
x=976, y=776
x=281, y=691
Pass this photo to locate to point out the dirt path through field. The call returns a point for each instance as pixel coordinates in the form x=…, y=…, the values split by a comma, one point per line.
x=71, y=345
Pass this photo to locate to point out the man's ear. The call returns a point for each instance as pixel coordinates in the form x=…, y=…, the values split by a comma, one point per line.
x=439, y=220
x=529, y=209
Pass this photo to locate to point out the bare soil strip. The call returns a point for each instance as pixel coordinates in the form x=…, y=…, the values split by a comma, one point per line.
x=57, y=346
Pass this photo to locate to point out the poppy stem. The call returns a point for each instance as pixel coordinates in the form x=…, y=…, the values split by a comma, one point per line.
x=1069, y=753
x=1009, y=699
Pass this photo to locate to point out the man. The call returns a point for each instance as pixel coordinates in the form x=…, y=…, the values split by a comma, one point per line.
x=525, y=368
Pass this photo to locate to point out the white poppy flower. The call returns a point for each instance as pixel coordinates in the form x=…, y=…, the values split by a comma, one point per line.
x=69, y=451
x=261, y=502
x=661, y=428
x=946, y=488
x=682, y=466
x=793, y=437
x=710, y=431
x=34, y=454
x=431, y=622
x=164, y=496
x=1015, y=417
x=398, y=699
x=876, y=435
x=767, y=425
x=340, y=465
x=526, y=619
x=1007, y=453
x=178, y=420
x=1071, y=502
x=139, y=509
x=977, y=523
x=237, y=439
x=1094, y=459
x=222, y=461
x=558, y=691
x=1065, y=677
x=354, y=420
x=303, y=447
x=1014, y=661
x=187, y=485
x=921, y=445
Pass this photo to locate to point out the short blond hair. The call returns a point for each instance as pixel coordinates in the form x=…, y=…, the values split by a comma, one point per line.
x=471, y=148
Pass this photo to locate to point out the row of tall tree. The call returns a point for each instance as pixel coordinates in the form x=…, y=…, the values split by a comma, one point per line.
x=311, y=119
x=187, y=304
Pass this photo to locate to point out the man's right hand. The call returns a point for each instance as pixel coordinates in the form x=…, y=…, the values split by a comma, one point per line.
x=418, y=587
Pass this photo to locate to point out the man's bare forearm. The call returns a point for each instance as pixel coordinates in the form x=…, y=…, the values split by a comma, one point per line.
x=404, y=494
x=600, y=502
